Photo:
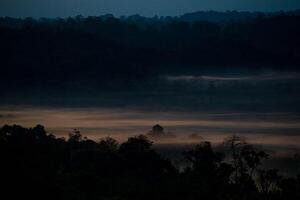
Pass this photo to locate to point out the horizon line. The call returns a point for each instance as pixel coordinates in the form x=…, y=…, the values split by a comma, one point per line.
x=154, y=15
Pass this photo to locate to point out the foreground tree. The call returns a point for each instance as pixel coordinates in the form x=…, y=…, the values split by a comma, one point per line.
x=38, y=165
x=206, y=174
x=246, y=161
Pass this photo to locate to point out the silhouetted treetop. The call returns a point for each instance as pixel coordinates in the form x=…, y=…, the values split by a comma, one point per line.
x=108, y=144
x=137, y=144
x=80, y=168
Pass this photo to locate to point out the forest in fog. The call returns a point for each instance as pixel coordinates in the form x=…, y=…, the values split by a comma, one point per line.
x=206, y=74
x=110, y=53
x=79, y=168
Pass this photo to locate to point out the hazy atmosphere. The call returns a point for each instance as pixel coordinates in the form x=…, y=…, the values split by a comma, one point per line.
x=65, y=8
x=262, y=107
x=129, y=99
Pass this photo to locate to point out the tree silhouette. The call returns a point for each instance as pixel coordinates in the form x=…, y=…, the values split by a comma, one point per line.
x=269, y=181
x=75, y=136
x=84, y=169
x=207, y=174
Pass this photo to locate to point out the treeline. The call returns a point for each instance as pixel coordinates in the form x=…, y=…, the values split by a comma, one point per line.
x=37, y=165
x=57, y=52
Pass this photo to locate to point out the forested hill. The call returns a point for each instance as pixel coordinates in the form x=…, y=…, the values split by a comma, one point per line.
x=98, y=49
x=97, y=41
x=209, y=16
x=231, y=16
x=36, y=164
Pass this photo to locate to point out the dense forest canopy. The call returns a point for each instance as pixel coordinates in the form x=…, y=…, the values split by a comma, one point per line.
x=97, y=49
x=39, y=165
x=207, y=72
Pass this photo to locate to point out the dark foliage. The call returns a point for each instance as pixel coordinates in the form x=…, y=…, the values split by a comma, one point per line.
x=37, y=165
x=115, y=53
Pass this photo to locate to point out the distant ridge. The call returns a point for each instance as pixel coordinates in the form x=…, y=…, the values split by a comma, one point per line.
x=230, y=16
x=209, y=16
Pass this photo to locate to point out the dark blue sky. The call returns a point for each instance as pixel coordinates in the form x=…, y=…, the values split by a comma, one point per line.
x=63, y=8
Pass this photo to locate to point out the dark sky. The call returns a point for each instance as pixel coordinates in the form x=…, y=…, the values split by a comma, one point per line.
x=63, y=8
